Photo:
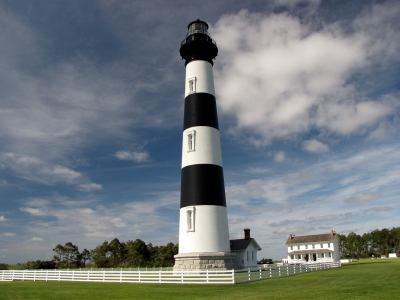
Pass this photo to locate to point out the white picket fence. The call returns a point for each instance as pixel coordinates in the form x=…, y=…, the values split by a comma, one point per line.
x=161, y=277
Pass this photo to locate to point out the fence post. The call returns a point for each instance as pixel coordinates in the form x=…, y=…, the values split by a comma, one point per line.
x=207, y=275
x=279, y=268
x=260, y=274
x=287, y=270
x=73, y=273
x=34, y=275
x=182, y=277
x=233, y=276
x=270, y=272
x=248, y=271
x=159, y=276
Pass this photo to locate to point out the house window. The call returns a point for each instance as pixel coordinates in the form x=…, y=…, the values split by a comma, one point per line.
x=313, y=246
x=306, y=246
x=292, y=256
x=191, y=140
x=322, y=246
x=329, y=245
x=322, y=255
x=298, y=247
x=299, y=256
x=190, y=219
x=252, y=255
x=330, y=254
x=247, y=254
x=291, y=247
x=192, y=85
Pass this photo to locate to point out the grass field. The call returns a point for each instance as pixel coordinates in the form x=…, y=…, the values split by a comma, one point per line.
x=365, y=279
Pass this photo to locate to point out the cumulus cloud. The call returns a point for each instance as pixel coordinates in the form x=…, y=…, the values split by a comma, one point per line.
x=280, y=77
x=315, y=146
x=280, y=156
x=132, y=155
x=2, y=218
x=9, y=234
x=36, y=239
x=362, y=198
x=39, y=170
x=89, y=187
x=34, y=211
x=322, y=217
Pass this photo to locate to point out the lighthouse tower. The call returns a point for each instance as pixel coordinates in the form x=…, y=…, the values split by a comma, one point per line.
x=203, y=224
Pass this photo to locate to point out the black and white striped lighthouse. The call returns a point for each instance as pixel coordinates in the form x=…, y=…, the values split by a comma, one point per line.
x=203, y=224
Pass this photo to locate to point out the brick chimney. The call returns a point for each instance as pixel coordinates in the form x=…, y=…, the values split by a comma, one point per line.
x=291, y=236
x=333, y=232
x=246, y=233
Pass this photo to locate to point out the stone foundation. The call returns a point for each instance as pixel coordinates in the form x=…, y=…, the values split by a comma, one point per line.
x=205, y=261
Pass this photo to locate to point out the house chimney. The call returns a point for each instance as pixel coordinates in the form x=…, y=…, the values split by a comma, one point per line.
x=333, y=233
x=246, y=233
x=291, y=236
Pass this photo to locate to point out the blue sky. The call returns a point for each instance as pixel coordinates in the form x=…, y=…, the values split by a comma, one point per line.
x=91, y=113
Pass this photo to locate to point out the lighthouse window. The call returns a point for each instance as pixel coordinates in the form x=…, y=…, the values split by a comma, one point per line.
x=191, y=140
x=192, y=85
x=190, y=219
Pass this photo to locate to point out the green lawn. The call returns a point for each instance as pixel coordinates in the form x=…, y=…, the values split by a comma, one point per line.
x=366, y=279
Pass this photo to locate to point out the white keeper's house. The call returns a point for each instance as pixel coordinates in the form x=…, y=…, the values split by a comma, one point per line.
x=246, y=251
x=313, y=248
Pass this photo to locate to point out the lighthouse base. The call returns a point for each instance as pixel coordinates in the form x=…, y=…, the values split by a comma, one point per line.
x=205, y=261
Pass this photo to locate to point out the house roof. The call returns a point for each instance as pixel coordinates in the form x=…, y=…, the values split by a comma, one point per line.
x=310, y=251
x=242, y=244
x=315, y=238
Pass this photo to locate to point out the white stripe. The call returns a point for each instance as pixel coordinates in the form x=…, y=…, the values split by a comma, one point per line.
x=211, y=233
x=202, y=72
x=207, y=146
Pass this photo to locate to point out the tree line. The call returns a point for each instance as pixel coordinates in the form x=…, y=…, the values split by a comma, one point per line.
x=377, y=243
x=116, y=254
x=107, y=255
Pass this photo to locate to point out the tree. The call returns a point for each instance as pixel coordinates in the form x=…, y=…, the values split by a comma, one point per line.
x=58, y=257
x=70, y=253
x=100, y=255
x=342, y=245
x=116, y=252
x=137, y=253
x=85, y=256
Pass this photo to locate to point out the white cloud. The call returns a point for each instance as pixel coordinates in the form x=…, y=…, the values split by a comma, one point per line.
x=88, y=187
x=132, y=155
x=34, y=211
x=2, y=218
x=362, y=198
x=279, y=157
x=36, y=239
x=280, y=78
x=39, y=170
x=315, y=146
x=62, y=173
x=9, y=234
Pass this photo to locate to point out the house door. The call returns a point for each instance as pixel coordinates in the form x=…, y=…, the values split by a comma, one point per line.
x=314, y=257
x=306, y=258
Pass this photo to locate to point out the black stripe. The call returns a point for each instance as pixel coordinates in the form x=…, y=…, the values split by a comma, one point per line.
x=202, y=184
x=200, y=110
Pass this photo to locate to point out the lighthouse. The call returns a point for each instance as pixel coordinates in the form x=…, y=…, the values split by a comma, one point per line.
x=203, y=222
